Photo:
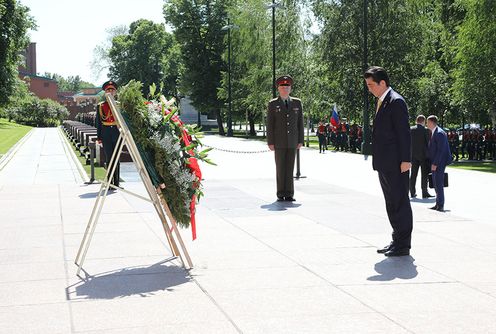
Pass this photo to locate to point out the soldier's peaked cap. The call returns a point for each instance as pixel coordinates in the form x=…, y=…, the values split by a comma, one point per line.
x=284, y=80
x=109, y=84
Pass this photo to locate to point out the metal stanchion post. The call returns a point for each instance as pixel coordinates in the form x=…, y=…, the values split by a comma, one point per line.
x=92, y=146
x=298, y=171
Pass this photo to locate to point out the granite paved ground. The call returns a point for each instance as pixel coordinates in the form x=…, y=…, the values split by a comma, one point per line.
x=260, y=266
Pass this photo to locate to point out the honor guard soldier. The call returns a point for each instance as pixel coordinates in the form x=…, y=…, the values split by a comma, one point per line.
x=285, y=135
x=107, y=130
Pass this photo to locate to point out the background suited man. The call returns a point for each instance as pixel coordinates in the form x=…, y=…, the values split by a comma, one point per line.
x=440, y=157
x=391, y=145
x=107, y=131
x=420, y=142
x=285, y=135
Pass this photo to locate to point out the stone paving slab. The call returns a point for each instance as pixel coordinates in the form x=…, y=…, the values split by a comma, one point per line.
x=260, y=266
x=36, y=318
x=330, y=323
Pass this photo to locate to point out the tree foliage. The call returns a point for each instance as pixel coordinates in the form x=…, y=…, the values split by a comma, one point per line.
x=251, y=59
x=251, y=75
x=101, y=60
x=398, y=36
x=15, y=23
x=148, y=53
x=475, y=72
x=26, y=108
x=71, y=83
x=197, y=27
x=440, y=55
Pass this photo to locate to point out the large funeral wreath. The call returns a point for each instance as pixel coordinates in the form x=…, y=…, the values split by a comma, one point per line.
x=168, y=147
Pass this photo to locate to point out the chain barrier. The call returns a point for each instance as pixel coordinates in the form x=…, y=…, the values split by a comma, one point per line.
x=236, y=151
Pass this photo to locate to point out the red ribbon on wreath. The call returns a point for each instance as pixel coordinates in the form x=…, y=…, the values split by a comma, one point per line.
x=192, y=165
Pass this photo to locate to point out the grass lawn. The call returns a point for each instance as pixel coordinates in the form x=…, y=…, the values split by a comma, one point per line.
x=489, y=167
x=10, y=134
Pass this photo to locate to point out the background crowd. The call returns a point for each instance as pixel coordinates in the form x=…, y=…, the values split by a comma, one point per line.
x=469, y=144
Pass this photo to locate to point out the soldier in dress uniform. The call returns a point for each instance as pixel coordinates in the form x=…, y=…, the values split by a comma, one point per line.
x=472, y=139
x=492, y=144
x=465, y=136
x=285, y=135
x=107, y=131
x=322, y=136
x=456, y=145
x=479, y=145
x=487, y=144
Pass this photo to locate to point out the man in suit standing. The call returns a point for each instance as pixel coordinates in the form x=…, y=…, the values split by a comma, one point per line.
x=440, y=157
x=391, y=146
x=420, y=142
x=285, y=135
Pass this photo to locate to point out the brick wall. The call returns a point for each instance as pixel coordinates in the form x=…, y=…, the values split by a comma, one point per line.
x=42, y=87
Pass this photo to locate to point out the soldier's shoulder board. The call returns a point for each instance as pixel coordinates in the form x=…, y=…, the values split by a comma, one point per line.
x=273, y=100
x=295, y=99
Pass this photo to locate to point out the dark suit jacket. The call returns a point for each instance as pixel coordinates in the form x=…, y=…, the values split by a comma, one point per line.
x=420, y=142
x=439, y=151
x=285, y=125
x=391, y=141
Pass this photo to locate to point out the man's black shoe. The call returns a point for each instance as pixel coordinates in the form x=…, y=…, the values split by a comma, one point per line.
x=385, y=249
x=280, y=199
x=434, y=207
x=289, y=199
x=397, y=252
x=427, y=196
x=440, y=209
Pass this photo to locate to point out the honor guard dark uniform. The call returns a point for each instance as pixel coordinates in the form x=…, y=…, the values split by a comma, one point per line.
x=107, y=130
x=284, y=136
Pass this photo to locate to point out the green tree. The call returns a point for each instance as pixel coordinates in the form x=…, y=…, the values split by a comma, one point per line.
x=197, y=27
x=400, y=34
x=475, y=75
x=101, y=60
x=71, y=83
x=148, y=53
x=31, y=110
x=251, y=59
x=251, y=73
x=15, y=23
x=20, y=93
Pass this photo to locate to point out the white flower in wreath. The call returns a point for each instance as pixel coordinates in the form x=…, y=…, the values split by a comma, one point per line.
x=167, y=103
x=155, y=118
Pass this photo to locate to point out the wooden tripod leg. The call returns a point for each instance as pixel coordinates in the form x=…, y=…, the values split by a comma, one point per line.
x=176, y=231
x=170, y=237
x=89, y=226
x=85, y=243
x=168, y=229
x=165, y=225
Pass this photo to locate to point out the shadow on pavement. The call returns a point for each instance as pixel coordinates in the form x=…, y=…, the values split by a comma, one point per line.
x=280, y=206
x=423, y=200
x=94, y=195
x=140, y=281
x=391, y=268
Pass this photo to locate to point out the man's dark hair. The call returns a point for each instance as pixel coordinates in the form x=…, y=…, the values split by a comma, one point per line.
x=432, y=118
x=377, y=74
x=420, y=119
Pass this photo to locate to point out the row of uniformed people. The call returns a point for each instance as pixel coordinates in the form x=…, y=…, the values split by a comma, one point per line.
x=473, y=144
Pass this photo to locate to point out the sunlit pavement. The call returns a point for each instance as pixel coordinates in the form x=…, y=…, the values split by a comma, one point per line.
x=260, y=266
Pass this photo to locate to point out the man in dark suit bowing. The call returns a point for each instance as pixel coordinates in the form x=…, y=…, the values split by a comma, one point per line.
x=440, y=156
x=391, y=158
x=420, y=141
